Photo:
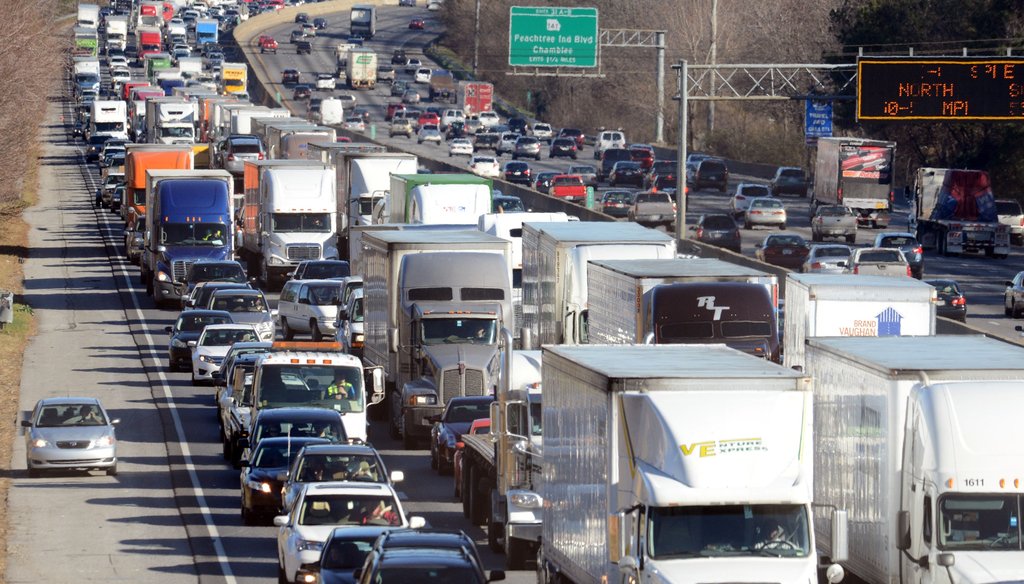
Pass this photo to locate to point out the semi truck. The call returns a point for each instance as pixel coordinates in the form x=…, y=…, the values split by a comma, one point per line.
x=361, y=69
x=170, y=120
x=857, y=173
x=234, y=78
x=684, y=301
x=88, y=16
x=109, y=118
x=207, y=31
x=828, y=305
x=150, y=41
x=555, y=259
x=442, y=86
x=87, y=42
x=289, y=215
x=956, y=213
x=141, y=158
x=149, y=14
x=434, y=302
x=363, y=176
x=436, y=198
x=475, y=97
x=294, y=143
x=501, y=470
x=918, y=439
x=363, y=21
x=189, y=218
x=643, y=482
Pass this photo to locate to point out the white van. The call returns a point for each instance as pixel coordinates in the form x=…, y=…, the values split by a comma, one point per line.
x=309, y=306
x=332, y=113
x=452, y=115
x=608, y=139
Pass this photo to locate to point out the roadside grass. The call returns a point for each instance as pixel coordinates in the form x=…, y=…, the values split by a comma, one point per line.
x=14, y=338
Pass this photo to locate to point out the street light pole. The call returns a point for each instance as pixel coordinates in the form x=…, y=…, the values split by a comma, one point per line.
x=714, y=61
x=476, y=40
x=682, y=85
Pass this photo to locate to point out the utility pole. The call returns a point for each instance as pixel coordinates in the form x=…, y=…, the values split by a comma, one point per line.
x=476, y=41
x=714, y=61
x=659, y=122
x=682, y=88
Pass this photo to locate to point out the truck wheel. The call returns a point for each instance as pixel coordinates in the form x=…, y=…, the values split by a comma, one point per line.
x=516, y=553
x=851, y=239
x=495, y=535
x=466, y=487
x=478, y=507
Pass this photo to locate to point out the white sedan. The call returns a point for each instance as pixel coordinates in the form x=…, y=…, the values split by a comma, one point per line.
x=120, y=75
x=460, y=147
x=213, y=344
x=485, y=166
x=321, y=507
x=325, y=81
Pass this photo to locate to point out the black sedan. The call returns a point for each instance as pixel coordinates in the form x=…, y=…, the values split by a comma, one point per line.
x=187, y=328
x=626, y=172
x=448, y=428
x=718, y=229
x=617, y=203
x=952, y=302
x=261, y=484
x=565, y=147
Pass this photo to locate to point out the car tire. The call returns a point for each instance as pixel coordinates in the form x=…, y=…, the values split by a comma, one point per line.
x=851, y=239
x=112, y=471
x=1014, y=311
x=315, y=332
x=1006, y=309
x=517, y=553
x=465, y=487
x=746, y=225
x=34, y=473
x=495, y=535
x=478, y=503
x=194, y=380
x=433, y=455
x=226, y=450
x=286, y=330
x=782, y=227
x=408, y=441
x=247, y=517
x=537, y=158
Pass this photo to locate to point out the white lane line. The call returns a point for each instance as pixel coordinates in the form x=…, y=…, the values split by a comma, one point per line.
x=119, y=270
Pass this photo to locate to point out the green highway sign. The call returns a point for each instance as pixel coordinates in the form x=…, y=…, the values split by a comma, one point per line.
x=552, y=37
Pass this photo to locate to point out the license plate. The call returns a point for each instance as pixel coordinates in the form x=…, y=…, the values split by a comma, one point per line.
x=787, y=252
x=655, y=217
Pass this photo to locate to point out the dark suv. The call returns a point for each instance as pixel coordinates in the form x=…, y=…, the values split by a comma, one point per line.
x=406, y=555
x=608, y=159
x=518, y=172
x=789, y=180
x=711, y=172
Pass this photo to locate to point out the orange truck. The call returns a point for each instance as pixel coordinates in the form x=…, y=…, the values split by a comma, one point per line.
x=142, y=157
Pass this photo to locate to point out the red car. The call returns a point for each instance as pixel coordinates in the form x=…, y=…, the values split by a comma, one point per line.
x=481, y=426
x=417, y=24
x=393, y=107
x=267, y=43
x=428, y=118
x=642, y=154
x=575, y=134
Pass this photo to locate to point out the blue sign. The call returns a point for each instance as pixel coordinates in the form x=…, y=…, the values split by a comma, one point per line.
x=888, y=322
x=818, y=119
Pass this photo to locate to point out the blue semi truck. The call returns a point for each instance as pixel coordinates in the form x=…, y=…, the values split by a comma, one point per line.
x=189, y=218
x=206, y=31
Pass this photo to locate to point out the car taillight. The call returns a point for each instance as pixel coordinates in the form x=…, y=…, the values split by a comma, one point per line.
x=816, y=265
x=919, y=250
x=909, y=273
x=700, y=232
x=259, y=156
x=961, y=301
x=856, y=269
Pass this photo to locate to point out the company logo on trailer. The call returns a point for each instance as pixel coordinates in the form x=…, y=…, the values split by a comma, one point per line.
x=721, y=447
x=708, y=303
x=885, y=324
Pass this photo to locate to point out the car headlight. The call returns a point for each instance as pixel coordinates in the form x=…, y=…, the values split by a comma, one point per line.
x=357, y=338
x=40, y=443
x=260, y=486
x=266, y=325
x=423, y=400
x=526, y=500
x=275, y=261
x=105, y=442
x=307, y=545
x=162, y=277
x=178, y=343
x=206, y=358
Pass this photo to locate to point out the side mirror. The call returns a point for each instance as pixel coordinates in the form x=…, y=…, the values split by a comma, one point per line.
x=946, y=560
x=415, y=522
x=397, y=476
x=115, y=421
x=243, y=463
x=168, y=329
x=618, y=538
x=281, y=521
x=26, y=423
x=393, y=339
x=903, y=530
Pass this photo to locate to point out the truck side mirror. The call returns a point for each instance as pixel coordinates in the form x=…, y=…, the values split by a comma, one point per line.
x=840, y=536
x=903, y=530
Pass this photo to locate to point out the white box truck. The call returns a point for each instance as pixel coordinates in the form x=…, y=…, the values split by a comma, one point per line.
x=842, y=305
x=689, y=463
x=117, y=31
x=109, y=118
x=555, y=256
x=170, y=120
x=684, y=301
x=919, y=439
x=435, y=199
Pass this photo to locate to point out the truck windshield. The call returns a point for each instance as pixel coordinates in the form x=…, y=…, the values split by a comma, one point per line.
x=301, y=223
x=320, y=386
x=728, y=530
x=536, y=416
x=193, y=233
x=439, y=331
x=979, y=522
x=176, y=132
x=109, y=126
x=702, y=331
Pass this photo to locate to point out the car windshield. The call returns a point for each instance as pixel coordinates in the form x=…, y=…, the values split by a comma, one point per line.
x=945, y=287
x=320, y=428
x=346, y=553
x=834, y=211
x=728, y=530
x=509, y=204
x=225, y=337
x=275, y=455
x=301, y=222
x=439, y=331
x=336, y=387
x=245, y=147
x=1008, y=208
x=193, y=234
x=321, y=271
x=217, y=273
x=70, y=415
x=567, y=181
x=349, y=510
x=467, y=412
x=176, y=132
x=324, y=294
x=977, y=522
x=792, y=173
x=190, y=323
x=239, y=303
x=318, y=468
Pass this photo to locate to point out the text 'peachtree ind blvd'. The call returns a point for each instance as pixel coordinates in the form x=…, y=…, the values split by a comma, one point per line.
x=553, y=37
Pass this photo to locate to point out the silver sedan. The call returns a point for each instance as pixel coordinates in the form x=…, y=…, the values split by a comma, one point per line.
x=70, y=433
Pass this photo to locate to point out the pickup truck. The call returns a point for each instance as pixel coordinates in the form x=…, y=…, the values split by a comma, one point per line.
x=878, y=261
x=653, y=208
x=570, y=187
x=834, y=221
